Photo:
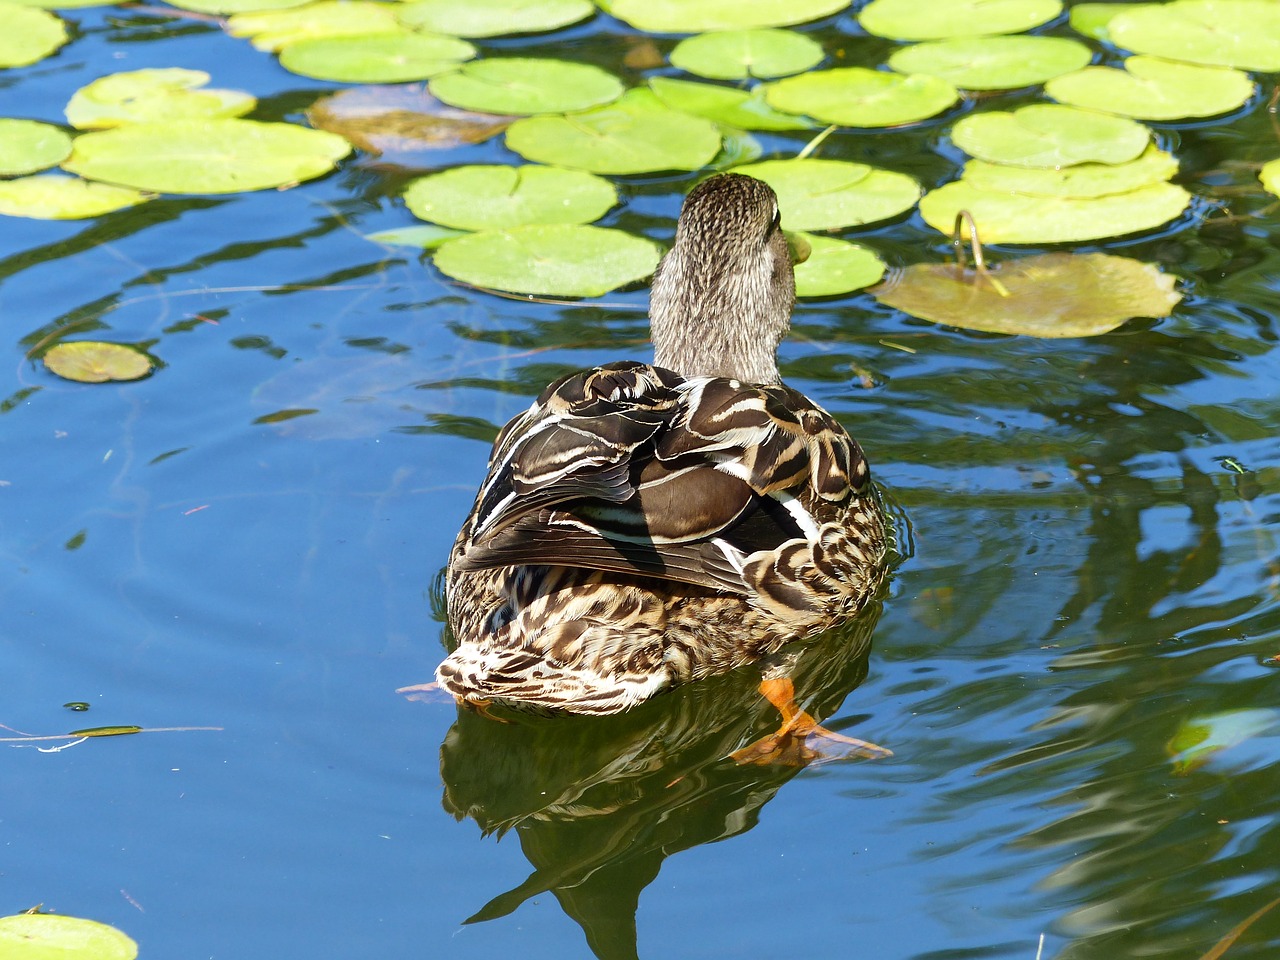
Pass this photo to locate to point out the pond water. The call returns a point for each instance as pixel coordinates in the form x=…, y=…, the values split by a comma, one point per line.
x=1090, y=523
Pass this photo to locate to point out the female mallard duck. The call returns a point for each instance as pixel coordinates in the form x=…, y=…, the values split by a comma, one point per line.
x=644, y=525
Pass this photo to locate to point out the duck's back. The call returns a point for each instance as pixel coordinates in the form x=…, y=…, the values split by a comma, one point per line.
x=638, y=529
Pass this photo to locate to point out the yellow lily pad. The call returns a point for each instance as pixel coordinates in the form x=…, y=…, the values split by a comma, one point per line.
x=28, y=35
x=1082, y=181
x=492, y=18
x=1217, y=33
x=1050, y=135
x=1270, y=176
x=27, y=146
x=993, y=63
x=859, y=97
x=743, y=54
x=526, y=85
x=1149, y=88
x=1004, y=217
x=737, y=108
x=275, y=29
x=49, y=196
x=943, y=19
x=1054, y=295
x=51, y=936
x=568, y=260
x=92, y=361
x=375, y=57
x=496, y=197
x=835, y=267
x=206, y=156
x=152, y=96
x=699, y=16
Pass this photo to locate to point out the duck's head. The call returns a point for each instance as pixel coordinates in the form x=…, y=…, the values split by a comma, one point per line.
x=722, y=296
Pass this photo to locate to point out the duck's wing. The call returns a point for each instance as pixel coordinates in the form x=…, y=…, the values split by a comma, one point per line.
x=631, y=469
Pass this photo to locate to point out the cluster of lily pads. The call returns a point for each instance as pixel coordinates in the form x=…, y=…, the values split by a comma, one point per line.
x=1082, y=169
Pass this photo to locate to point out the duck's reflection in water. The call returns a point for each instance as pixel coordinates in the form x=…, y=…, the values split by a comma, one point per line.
x=600, y=802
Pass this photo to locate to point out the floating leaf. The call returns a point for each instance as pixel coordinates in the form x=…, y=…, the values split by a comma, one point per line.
x=858, y=97
x=495, y=197
x=64, y=4
x=237, y=6
x=52, y=197
x=1083, y=180
x=491, y=18
x=699, y=16
x=558, y=259
x=1199, y=739
x=426, y=236
x=635, y=134
x=834, y=267
x=275, y=29
x=828, y=194
x=206, y=156
x=51, y=936
x=1221, y=33
x=993, y=63
x=152, y=96
x=523, y=85
x=944, y=19
x=28, y=35
x=27, y=146
x=119, y=729
x=1091, y=19
x=401, y=120
x=1270, y=176
x=737, y=108
x=375, y=57
x=90, y=361
x=743, y=54
x=1049, y=135
x=1004, y=217
x=1152, y=89
x=1052, y=295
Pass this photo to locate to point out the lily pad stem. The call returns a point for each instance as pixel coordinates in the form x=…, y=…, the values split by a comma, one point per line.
x=816, y=142
x=980, y=270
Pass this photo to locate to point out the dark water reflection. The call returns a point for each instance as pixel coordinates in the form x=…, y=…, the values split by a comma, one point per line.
x=599, y=803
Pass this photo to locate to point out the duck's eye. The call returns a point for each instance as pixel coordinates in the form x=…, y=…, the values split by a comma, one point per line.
x=777, y=220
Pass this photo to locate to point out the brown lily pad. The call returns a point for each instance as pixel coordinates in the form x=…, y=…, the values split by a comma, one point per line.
x=1053, y=295
x=404, y=119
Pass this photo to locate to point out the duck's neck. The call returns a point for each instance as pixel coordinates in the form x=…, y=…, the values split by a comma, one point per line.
x=721, y=320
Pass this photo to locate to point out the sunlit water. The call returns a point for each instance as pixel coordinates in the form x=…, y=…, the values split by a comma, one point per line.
x=1091, y=569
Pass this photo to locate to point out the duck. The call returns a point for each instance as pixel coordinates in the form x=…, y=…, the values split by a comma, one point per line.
x=644, y=525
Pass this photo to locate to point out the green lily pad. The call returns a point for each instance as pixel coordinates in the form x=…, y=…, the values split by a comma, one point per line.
x=1081, y=181
x=206, y=156
x=1217, y=33
x=699, y=16
x=525, y=85
x=835, y=267
x=1049, y=135
x=63, y=4
x=237, y=6
x=152, y=96
x=944, y=19
x=743, y=54
x=425, y=236
x=858, y=97
x=375, y=57
x=1152, y=89
x=1053, y=295
x=53, y=197
x=635, y=134
x=567, y=260
x=1199, y=739
x=829, y=194
x=993, y=63
x=50, y=936
x=1004, y=217
x=492, y=18
x=91, y=361
x=1092, y=19
x=496, y=197
x=27, y=146
x=28, y=35
x=737, y=108
x=275, y=29
x=1270, y=176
